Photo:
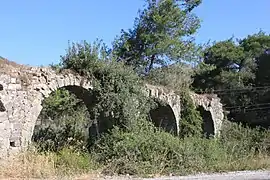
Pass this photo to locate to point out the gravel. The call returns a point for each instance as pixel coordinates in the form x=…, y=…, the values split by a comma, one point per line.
x=238, y=175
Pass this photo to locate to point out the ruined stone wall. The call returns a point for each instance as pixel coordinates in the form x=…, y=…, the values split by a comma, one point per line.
x=211, y=103
x=168, y=97
x=22, y=89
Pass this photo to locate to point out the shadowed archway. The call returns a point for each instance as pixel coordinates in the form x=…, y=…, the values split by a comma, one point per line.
x=163, y=117
x=78, y=122
x=208, y=124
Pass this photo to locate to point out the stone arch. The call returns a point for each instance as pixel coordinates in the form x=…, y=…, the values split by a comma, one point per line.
x=211, y=108
x=208, y=123
x=172, y=107
x=49, y=81
x=24, y=90
x=88, y=99
x=163, y=117
x=86, y=94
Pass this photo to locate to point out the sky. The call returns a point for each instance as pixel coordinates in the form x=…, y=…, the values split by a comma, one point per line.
x=36, y=32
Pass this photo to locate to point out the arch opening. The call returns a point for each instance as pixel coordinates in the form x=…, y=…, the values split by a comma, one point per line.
x=2, y=107
x=163, y=117
x=103, y=123
x=66, y=119
x=207, y=124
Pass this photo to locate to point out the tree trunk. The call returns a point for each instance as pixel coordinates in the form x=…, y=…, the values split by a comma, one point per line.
x=152, y=60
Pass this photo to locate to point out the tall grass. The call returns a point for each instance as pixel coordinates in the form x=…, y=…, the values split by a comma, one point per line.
x=33, y=164
x=147, y=151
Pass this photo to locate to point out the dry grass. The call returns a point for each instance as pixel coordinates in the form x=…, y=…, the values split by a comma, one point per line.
x=12, y=68
x=29, y=165
x=185, y=156
x=34, y=165
x=252, y=163
x=5, y=63
x=258, y=162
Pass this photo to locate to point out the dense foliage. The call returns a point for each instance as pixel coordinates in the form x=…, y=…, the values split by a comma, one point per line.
x=176, y=77
x=240, y=77
x=117, y=99
x=117, y=89
x=191, y=121
x=147, y=151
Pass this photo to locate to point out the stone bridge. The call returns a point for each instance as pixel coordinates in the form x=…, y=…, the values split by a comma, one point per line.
x=22, y=89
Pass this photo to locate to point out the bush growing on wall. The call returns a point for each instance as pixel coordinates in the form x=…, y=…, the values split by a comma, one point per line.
x=176, y=76
x=191, y=120
x=119, y=99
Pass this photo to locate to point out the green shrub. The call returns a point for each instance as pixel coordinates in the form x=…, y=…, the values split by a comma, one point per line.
x=241, y=140
x=55, y=138
x=146, y=150
x=143, y=150
x=84, y=57
x=74, y=161
x=117, y=88
x=191, y=120
x=176, y=76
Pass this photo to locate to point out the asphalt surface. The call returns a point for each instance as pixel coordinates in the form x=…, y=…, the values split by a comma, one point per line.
x=240, y=175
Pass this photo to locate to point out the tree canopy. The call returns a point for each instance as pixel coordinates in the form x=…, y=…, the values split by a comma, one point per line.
x=162, y=34
x=240, y=76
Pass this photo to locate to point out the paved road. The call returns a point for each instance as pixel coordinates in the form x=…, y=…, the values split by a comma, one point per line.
x=241, y=175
